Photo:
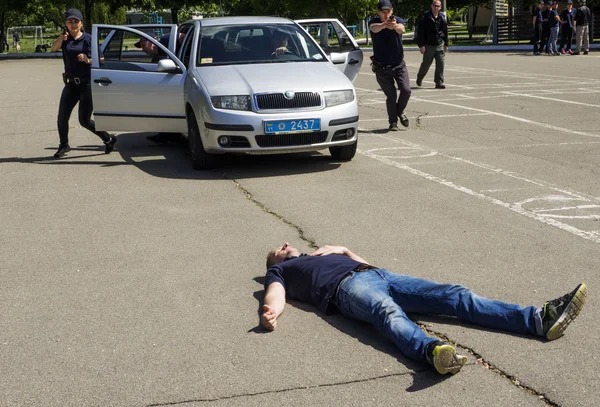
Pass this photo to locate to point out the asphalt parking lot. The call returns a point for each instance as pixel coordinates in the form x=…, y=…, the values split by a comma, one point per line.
x=131, y=280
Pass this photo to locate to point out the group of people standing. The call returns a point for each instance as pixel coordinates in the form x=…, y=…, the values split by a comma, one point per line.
x=549, y=23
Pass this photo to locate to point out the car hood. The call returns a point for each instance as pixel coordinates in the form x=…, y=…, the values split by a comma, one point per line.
x=274, y=77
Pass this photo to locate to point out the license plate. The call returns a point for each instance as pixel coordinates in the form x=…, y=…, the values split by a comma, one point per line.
x=292, y=126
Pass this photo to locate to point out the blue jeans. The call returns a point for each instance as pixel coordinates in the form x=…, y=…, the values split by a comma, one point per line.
x=553, y=38
x=381, y=297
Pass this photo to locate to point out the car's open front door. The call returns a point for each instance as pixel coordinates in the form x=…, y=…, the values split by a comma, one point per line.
x=137, y=82
x=333, y=37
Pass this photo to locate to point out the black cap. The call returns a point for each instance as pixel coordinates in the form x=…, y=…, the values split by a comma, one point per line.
x=541, y=2
x=570, y=2
x=139, y=43
x=73, y=13
x=384, y=5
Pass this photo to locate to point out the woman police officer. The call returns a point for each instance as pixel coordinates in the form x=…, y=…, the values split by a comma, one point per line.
x=76, y=46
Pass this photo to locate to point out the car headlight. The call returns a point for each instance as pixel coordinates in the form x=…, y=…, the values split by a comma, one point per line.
x=231, y=102
x=338, y=97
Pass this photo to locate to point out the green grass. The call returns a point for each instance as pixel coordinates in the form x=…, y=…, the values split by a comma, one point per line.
x=28, y=43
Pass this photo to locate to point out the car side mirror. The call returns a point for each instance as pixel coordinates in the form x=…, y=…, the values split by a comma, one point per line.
x=337, y=58
x=167, y=65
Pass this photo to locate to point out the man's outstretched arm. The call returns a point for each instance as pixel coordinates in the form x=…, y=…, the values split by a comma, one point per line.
x=274, y=304
x=325, y=250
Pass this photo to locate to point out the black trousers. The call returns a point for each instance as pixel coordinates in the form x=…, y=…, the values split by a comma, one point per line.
x=537, y=38
x=566, y=37
x=71, y=94
x=387, y=79
x=545, y=38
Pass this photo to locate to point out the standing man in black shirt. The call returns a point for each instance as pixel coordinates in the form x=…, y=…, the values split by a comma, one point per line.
x=388, y=62
x=583, y=19
x=537, y=28
x=433, y=43
x=76, y=46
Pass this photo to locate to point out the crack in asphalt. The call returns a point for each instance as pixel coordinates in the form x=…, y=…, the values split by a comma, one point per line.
x=260, y=393
x=311, y=242
x=490, y=366
x=418, y=119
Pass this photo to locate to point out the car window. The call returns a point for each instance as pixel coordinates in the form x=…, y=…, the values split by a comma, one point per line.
x=184, y=35
x=187, y=47
x=247, y=44
x=330, y=36
x=128, y=51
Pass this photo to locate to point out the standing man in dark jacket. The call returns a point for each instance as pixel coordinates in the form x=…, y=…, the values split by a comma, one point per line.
x=567, y=18
x=583, y=19
x=433, y=43
x=388, y=62
x=537, y=27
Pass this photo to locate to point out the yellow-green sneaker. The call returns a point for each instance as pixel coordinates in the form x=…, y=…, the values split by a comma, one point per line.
x=445, y=360
x=559, y=313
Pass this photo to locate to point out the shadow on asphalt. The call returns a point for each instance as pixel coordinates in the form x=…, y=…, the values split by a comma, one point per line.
x=172, y=160
x=448, y=320
x=423, y=376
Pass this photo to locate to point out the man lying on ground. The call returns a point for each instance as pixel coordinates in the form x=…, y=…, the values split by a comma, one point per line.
x=335, y=278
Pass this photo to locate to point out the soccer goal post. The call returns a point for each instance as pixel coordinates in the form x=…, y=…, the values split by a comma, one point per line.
x=26, y=31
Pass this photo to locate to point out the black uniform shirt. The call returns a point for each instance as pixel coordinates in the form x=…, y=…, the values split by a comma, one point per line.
x=537, y=13
x=71, y=48
x=551, y=19
x=545, y=17
x=387, y=44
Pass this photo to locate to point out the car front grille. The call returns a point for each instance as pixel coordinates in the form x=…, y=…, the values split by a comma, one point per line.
x=270, y=101
x=288, y=140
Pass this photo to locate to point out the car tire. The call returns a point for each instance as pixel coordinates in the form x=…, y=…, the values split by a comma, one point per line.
x=201, y=160
x=343, y=153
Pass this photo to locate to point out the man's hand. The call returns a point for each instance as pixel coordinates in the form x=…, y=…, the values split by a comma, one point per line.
x=279, y=51
x=83, y=58
x=445, y=49
x=326, y=250
x=391, y=24
x=422, y=49
x=269, y=318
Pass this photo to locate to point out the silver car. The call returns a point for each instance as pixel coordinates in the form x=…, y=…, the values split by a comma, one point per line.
x=245, y=85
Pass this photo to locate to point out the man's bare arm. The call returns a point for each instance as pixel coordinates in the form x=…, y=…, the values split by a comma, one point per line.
x=400, y=28
x=274, y=303
x=326, y=250
x=377, y=27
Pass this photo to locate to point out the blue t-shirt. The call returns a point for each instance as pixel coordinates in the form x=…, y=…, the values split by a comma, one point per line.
x=537, y=13
x=71, y=48
x=552, y=19
x=311, y=279
x=387, y=44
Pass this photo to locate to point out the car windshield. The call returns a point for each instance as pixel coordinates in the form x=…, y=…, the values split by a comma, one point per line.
x=255, y=44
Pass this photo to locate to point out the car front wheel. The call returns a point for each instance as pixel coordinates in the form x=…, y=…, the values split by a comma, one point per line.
x=343, y=153
x=201, y=160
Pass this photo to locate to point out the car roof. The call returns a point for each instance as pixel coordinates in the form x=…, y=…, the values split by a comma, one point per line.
x=213, y=21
